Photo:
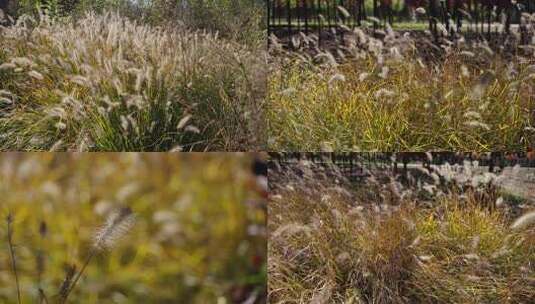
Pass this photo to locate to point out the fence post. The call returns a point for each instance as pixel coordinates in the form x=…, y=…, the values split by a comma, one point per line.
x=289, y=16
x=508, y=12
x=458, y=16
x=268, y=3
x=305, y=8
x=433, y=12
x=489, y=20
x=318, y=17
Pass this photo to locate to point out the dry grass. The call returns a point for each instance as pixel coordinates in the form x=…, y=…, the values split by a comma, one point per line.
x=400, y=93
x=331, y=242
x=108, y=83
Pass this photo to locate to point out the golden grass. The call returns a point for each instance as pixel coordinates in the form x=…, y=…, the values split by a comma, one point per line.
x=414, y=109
x=399, y=93
x=198, y=235
x=327, y=245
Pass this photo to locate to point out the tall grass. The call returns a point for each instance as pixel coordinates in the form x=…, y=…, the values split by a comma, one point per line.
x=384, y=241
x=391, y=91
x=105, y=82
x=199, y=233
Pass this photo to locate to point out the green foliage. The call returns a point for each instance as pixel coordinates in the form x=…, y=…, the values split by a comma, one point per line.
x=239, y=19
x=53, y=8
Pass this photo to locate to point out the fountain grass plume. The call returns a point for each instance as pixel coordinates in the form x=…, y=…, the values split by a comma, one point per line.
x=116, y=226
x=109, y=83
x=524, y=221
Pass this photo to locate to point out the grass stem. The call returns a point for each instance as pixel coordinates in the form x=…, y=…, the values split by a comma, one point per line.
x=12, y=254
x=79, y=274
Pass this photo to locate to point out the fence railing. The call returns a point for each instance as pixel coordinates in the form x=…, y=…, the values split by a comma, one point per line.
x=286, y=17
x=355, y=164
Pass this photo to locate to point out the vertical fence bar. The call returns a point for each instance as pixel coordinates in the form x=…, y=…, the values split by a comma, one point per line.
x=289, y=16
x=305, y=8
x=268, y=17
x=458, y=16
x=318, y=12
x=279, y=6
x=321, y=16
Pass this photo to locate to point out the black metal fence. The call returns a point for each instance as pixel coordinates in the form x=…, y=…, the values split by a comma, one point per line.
x=354, y=165
x=286, y=17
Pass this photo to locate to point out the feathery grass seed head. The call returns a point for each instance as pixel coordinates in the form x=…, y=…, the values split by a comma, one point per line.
x=116, y=226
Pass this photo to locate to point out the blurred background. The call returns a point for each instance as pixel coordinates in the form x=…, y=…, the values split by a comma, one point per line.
x=199, y=235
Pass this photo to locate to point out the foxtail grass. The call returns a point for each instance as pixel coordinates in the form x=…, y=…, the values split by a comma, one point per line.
x=116, y=226
x=395, y=91
x=385, y=241
x=106, y=82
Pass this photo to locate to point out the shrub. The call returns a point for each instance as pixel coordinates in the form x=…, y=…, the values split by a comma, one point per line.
x=240, y=20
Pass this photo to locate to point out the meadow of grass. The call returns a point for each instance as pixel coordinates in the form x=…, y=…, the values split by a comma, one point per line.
x=198, y=234
x=134, y=78
x=391, y=91
x=452, y=237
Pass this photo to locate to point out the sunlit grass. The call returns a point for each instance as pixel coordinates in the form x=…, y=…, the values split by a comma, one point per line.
x=334, y=242
x=109, y=83
x=198, y=235
x=459, y=104
x=389, y=90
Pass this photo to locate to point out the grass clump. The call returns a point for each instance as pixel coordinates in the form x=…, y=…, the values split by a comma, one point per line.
x=413, y=110
x=105, y=82
x=399, y=92
x=472, y=255
x=330, y=241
